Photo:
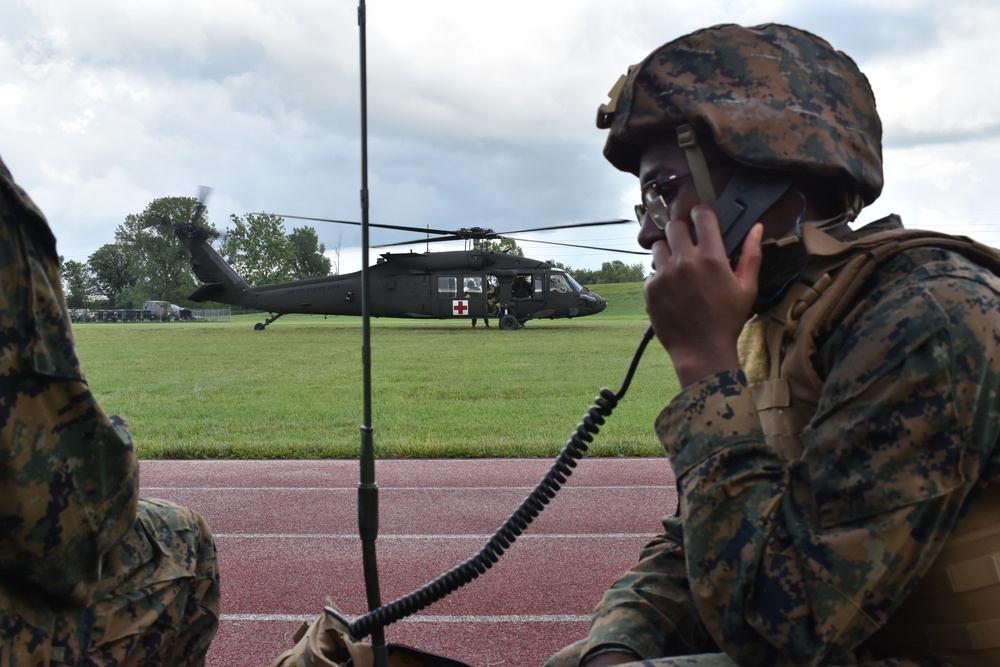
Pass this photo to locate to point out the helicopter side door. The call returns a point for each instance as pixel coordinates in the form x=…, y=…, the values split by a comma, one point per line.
x=527, y=293
x=459, y=295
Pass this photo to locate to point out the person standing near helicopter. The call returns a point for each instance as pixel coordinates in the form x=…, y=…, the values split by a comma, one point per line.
x=835, y=439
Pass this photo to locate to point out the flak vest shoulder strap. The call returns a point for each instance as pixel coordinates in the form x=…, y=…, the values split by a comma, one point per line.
x=954, y=614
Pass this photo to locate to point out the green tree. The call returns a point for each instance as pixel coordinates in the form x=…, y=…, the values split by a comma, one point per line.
x=618, y=271
x=503, y=245
x=309, y=258
x=111, y=273
x=584, y=276
x=76, y=283
x=615, y=271
x=158, y=259
x=257, y=248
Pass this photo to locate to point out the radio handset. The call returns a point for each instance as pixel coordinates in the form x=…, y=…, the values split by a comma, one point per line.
x=747, y=196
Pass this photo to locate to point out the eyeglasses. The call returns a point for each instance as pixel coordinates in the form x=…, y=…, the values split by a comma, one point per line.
x=656, y=196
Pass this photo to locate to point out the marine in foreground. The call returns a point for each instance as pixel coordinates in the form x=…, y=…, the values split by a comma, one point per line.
x=90, y=574
x=835, y=440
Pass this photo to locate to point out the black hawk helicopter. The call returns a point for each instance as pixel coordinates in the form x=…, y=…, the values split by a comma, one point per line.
x=463, y=284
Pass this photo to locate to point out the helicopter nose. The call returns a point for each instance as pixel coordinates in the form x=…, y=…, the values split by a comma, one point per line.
x=593, y=302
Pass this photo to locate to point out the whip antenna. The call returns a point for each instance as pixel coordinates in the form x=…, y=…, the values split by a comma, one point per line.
x=367, y=488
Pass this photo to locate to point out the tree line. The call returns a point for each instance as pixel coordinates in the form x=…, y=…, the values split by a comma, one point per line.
x=147, y=261
x=615, y=271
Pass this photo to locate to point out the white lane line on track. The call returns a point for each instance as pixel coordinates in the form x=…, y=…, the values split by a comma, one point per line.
x=349, y=536
x=354, y=489
x=425, y=618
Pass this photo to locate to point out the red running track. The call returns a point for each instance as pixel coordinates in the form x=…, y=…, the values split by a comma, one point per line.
x=287, y=537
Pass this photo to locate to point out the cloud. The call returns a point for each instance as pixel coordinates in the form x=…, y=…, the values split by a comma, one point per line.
x=479, y=114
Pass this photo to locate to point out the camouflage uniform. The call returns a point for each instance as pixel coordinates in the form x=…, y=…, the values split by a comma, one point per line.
x=771, y=561
x=89, y=573
x=780, y=563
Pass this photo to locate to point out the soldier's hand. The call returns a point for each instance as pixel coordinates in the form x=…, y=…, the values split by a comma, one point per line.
x=697, y=303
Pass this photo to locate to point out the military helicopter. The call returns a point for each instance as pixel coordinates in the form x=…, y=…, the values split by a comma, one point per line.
x=462, y=284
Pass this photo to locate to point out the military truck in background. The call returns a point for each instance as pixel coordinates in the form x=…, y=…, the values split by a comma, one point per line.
x=151, y=311
x=164, y=311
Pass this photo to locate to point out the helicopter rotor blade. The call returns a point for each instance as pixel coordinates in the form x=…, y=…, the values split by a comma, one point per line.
x=203, y=192
x=460, y=238
x=439, y=239
x=476, y=233
x=192, y=228
x=599, y=223
x=370, y=224
x=587, y=247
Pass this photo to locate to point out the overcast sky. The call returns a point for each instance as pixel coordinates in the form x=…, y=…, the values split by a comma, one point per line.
x=479, y=113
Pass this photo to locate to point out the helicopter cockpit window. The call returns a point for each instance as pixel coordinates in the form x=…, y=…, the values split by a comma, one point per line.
x=473, y=284
x=559, y=284
x=448, y=286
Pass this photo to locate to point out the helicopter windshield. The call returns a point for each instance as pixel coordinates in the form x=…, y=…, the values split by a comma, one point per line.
x=563, y=283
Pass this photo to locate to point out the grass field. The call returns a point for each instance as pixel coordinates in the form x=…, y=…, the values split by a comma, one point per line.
x=440, y=388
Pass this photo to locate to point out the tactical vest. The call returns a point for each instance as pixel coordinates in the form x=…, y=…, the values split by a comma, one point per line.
x=954, y=613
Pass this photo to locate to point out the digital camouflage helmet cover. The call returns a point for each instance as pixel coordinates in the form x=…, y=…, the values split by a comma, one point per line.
x=771, y=96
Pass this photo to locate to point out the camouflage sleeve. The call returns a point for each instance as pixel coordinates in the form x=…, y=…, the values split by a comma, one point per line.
x=649, y=609
x=797, y=563
x=68, y=473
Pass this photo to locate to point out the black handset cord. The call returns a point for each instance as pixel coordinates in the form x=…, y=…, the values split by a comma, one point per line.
x=516, y=523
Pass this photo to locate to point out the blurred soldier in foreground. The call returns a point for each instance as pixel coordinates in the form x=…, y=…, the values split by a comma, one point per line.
x=835, y=439
x=89, y=573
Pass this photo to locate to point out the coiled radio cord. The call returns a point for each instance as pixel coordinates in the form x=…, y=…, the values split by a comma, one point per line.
x=513, y=527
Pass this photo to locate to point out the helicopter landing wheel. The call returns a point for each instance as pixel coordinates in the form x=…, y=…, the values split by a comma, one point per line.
x=260, y=326
x=508, y=322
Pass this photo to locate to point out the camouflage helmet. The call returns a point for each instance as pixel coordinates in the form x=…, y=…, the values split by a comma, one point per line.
x=772, y=97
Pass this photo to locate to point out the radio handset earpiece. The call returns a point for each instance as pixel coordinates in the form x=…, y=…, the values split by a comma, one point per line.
x=747, y=196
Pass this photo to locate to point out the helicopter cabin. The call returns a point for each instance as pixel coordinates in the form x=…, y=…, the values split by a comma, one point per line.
x=523, y=293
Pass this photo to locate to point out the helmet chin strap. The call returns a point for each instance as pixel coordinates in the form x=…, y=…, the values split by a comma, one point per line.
x=697, y=165
x=747, y=196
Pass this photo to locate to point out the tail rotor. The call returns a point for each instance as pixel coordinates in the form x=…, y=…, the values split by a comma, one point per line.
x=192, y=228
